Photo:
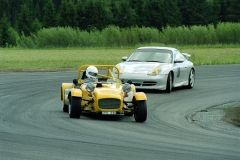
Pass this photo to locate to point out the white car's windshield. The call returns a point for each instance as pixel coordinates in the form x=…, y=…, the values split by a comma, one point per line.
x=151, y=55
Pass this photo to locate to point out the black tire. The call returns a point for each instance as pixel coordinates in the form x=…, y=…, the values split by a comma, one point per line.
x=65, y=108
x=169, y=84
x=74, y=109
x=191, y=79
x=140, y=111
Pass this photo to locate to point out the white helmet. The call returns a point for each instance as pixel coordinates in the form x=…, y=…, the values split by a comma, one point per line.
x=91, y=72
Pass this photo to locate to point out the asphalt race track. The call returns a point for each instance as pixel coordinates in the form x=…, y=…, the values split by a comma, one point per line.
x=33, y=125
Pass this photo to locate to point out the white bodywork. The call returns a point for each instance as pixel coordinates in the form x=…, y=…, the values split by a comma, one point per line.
x=137, y=68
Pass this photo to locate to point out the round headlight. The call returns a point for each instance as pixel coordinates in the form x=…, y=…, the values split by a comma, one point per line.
x=126, y=87
x=90, y=87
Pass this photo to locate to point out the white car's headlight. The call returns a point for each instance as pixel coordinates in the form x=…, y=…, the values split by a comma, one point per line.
x=154, y=72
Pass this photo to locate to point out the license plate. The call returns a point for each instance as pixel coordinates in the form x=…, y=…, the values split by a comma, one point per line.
x=108, y=112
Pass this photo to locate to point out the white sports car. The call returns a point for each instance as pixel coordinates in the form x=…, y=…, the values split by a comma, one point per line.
x=161, y=68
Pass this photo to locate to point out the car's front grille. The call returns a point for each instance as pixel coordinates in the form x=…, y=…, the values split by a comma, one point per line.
x=137, y=84
x=109, y=103
x=145, y=83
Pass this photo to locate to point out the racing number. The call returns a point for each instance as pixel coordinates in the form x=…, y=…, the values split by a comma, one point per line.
x=178, y=72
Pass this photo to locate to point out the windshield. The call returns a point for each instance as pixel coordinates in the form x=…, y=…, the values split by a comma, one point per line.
x=151, y=55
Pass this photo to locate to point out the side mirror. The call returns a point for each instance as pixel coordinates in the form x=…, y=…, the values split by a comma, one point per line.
x=187, y=56
x=75, y=81
x=178, y=60
x=124, y=58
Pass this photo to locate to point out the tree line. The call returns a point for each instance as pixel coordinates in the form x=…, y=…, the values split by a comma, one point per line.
x=26, y=17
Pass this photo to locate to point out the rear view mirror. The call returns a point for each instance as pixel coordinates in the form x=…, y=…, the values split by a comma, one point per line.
x=178, y=60
x=75, y=81
x=124, y=58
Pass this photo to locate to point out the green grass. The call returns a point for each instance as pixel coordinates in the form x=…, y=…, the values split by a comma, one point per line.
x=59, y=58
x=75, y=57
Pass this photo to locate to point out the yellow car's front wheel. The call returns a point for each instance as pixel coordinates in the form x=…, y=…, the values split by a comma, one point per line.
x=74, y=108
x=140, y=111
x=65, y=108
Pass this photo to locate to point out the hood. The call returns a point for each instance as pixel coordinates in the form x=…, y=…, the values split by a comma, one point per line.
x=139, y=67
x=111, y=92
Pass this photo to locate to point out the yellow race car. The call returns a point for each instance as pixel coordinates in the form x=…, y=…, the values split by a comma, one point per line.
x=105, y=96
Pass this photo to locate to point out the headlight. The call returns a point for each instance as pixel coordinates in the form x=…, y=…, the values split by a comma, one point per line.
x=90, y=87
x=154, y=72
x=126, y=87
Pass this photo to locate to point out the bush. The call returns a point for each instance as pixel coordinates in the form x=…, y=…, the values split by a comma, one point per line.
x=113, y=36
x=228, y=33
x=12, y=37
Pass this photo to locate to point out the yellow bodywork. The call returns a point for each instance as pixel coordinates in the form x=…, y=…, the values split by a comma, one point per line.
x=140, y=96
x=109, y=91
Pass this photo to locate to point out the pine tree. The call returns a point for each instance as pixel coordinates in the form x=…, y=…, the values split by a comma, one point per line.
x=234, y=11
x=49, y=17
x=224, y=5
x=81, y=19
x=24, y=21
x=68, y=14
x=127, y=14
x=5, y=33
x=103, y=14
x=137, y=6
x=115, y=10
x=213, y=12
x=194, y=12
x=171, y=13
x=153, y=13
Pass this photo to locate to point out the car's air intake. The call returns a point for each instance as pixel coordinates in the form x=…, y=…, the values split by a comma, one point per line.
x=109, y=103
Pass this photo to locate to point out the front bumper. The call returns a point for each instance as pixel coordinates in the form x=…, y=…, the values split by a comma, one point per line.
x=142, y=81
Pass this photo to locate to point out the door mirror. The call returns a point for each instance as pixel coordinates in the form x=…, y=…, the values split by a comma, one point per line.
x=124, y=58
x=75, y=81
x=178, y=60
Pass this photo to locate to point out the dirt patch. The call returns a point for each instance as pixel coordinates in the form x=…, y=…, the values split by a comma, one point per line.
x=232, y=115
x=223, y=117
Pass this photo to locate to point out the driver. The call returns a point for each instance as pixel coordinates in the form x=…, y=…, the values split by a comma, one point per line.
x=91, y=74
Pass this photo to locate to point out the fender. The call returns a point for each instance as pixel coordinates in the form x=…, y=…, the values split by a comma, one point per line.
x=65, y=90
x=140, y=96
x=133, y=88
x=76, y=92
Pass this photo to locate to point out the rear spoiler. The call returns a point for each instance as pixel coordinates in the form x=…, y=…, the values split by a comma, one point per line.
x=187, y=56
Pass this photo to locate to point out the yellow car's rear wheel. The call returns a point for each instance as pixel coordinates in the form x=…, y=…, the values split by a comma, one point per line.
x=74, y=108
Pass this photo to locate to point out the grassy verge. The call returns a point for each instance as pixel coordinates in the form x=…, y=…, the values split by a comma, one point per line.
x=75, y=57
x=59, y=58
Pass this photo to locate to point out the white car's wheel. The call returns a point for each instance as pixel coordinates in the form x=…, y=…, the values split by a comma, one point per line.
x=140, y=111
x=191, y=79
x=74, y=108
x=169, y=84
